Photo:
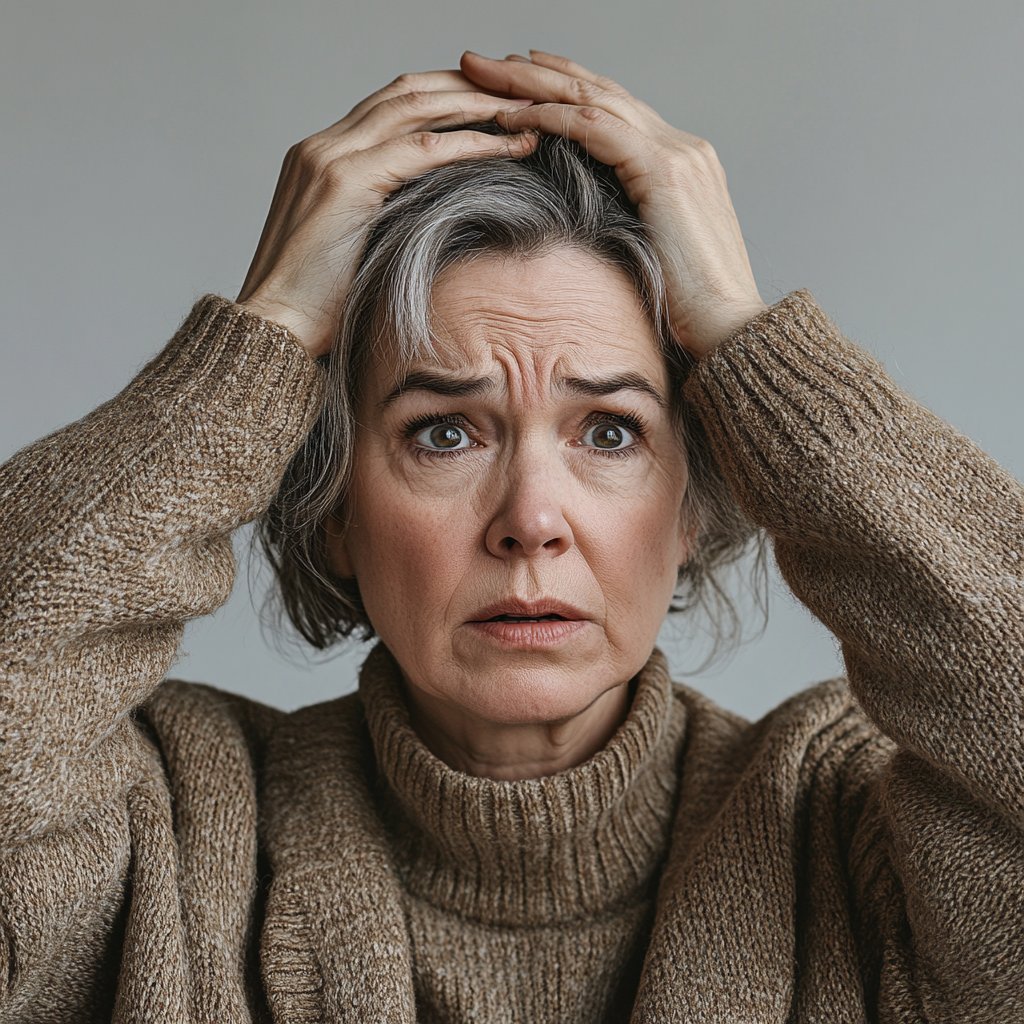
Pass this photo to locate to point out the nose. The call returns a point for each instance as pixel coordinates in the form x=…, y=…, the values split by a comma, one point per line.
x=530, y=521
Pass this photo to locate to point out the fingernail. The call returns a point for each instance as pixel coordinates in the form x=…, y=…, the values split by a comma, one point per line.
x=520, y=58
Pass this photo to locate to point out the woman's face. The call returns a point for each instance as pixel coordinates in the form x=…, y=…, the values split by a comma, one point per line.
x=515, y=510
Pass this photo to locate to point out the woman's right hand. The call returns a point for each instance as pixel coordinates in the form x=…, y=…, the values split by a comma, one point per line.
x=333, y=183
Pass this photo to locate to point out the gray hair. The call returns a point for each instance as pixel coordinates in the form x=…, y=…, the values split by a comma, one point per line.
x=557, y=197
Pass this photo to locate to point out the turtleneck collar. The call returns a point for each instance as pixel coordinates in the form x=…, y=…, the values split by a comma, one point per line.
x=539, y=851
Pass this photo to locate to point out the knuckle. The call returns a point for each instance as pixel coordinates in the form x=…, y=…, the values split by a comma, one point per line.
x=583, y=91
x=305, y=153
x=409, y=103
x=417, y=98
x=705, y=149
x=428, y=141
x=407, y=82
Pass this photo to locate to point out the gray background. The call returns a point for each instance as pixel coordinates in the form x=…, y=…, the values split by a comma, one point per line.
x=874, y=153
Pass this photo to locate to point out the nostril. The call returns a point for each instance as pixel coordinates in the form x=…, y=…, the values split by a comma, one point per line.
x=508, y=543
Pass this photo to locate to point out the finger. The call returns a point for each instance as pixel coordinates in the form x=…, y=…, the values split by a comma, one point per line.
x=423, y=111
x=545, y=85
x=397, y=160
x=569, y=67
x=416, y=112
x=425, y=81
x=604, y=136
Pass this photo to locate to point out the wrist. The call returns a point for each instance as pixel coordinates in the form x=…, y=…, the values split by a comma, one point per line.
x=728, y=322
x=298, y=325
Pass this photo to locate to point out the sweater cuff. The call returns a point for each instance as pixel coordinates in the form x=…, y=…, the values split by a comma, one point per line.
x=790, y=377
x=229, y=361
x=788, y=399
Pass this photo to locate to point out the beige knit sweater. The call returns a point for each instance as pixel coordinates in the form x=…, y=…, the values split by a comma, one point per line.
x=172, y=853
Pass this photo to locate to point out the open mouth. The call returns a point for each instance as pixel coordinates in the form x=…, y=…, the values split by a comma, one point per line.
x=527, y=618
x=529, y=625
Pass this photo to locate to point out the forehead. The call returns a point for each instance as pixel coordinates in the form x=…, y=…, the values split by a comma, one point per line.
x=529, y=321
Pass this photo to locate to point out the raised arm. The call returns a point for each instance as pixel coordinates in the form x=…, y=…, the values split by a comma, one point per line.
x=896, y=531
x=900, y=534
x=905, y=540
x=116, y=531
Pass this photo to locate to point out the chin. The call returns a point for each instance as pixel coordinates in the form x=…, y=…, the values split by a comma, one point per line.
x=518, y=695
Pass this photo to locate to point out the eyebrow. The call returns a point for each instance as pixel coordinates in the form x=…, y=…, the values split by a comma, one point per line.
x=461, y=387
x=610, y=385
x=439, y=384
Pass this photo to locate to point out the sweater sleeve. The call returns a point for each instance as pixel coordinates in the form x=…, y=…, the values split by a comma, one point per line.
x=905, y=540
x=116, y=531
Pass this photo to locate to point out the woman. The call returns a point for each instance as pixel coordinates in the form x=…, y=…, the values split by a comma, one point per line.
x=519, y=816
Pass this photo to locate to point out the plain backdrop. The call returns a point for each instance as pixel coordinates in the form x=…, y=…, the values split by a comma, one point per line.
x=875, y=154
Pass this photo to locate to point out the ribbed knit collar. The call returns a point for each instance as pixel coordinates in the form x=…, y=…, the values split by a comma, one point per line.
x=539, y=851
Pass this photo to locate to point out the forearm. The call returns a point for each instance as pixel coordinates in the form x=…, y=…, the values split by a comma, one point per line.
x=895, y=530
x=117, y=531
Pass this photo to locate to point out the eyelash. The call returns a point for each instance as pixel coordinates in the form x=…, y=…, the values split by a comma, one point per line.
x=412, y=427
x=624, y=419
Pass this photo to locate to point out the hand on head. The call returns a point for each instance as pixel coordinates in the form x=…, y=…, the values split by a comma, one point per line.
x=333, y=183
x=673, y=178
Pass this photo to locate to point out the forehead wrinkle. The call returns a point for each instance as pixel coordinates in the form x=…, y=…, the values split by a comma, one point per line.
x=541, y=324
x=537, y=368
x=564, y=326
x=527, y=362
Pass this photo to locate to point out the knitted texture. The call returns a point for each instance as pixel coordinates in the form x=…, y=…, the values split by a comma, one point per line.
x=172, y=853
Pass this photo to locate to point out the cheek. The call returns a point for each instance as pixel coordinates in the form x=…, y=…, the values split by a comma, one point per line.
x=407, y=551
x=635, y=543
x=641, y=557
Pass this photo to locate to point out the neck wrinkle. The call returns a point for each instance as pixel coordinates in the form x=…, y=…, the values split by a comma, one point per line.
x=536, y=851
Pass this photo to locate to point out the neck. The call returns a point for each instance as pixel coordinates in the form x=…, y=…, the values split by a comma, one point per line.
x=510, y=753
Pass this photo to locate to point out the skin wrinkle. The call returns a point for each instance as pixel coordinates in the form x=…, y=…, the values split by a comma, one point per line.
x=529, y=353
x=511, y=921
x=893, y=529
x=452, y=385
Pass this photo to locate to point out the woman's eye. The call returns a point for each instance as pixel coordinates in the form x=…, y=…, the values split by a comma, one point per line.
x=444, y=437
x=608, y=437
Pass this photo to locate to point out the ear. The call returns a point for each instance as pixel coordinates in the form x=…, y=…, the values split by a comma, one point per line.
x=337, y=547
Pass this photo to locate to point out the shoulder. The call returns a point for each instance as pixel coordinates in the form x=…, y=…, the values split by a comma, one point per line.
x=805, y=713
x=817, y=753
x=202, y=724
x=332, y=732
x=196, y=726
x=821, y=731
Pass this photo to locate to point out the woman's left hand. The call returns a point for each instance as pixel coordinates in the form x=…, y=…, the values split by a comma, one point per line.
x=674, y=179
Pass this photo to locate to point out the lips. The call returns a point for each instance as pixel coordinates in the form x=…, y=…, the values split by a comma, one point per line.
x=527, y=618
x=516, y=611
